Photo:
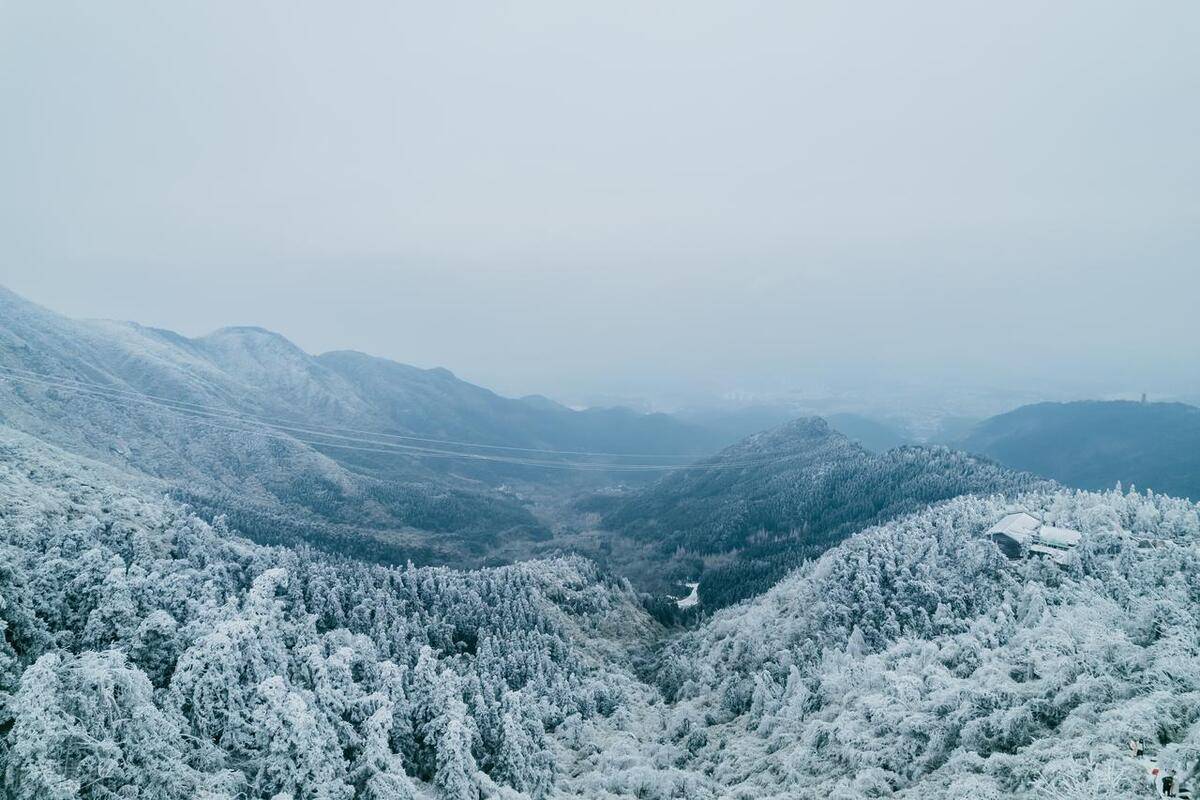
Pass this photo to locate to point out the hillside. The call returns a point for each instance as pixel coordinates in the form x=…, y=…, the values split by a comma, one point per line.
x=780, y=497
x=1094, y=445
x=915, y=661
x=436, y=403
x=147, y=653
x=342, y=450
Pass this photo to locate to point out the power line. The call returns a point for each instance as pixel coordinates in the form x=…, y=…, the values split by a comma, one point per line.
x=386, y=448
x=211, y=411
x=391, y=449
x=318, y=429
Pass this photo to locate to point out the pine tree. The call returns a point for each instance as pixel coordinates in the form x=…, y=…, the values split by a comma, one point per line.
x=90, y=723
x=455, y=766
x=522, y=759
x=378, y=773
x=294, y=754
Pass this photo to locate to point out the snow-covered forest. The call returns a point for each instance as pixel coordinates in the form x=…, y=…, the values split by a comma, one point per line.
x=781, y=497
x=150, y=654
x=607, y=401
x=148, y=651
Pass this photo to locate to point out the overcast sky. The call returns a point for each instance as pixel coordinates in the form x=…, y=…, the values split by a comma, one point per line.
x=648, y=198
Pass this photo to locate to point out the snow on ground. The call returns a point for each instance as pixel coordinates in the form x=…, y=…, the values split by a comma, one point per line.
x=692, y=599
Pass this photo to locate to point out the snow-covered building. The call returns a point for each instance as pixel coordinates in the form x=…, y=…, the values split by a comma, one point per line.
x=1023, y=532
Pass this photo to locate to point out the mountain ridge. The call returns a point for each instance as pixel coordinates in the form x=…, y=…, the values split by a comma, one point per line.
x=1093, y=444
x=784, y=496
x=191, y=411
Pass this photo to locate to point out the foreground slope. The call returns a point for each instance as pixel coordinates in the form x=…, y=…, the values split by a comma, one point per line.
x=1093, y=444
x=147, y=653
x=786, y=495
x=916, y=661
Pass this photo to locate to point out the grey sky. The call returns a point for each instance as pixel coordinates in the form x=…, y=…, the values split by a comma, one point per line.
x=643, y=198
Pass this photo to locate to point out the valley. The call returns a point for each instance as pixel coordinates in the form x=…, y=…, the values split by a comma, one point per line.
x=339, y=576
x=912, y=659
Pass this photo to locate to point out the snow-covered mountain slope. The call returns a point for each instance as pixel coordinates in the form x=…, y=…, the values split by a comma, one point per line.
x=916, y=661
x=255, y=371
x=786, y=495
x=148, y=653
x=182, y=411
x=190, y=412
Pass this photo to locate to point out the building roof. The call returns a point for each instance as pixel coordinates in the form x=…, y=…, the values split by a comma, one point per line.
x=1019, y=526
x=1026, y=529
x=1062, y=537
x=1059, y=555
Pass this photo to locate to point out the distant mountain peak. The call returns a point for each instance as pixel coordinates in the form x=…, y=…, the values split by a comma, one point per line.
x=238, y=343
x=250, y=333
x=543, y=402
x=359, y=358
x=799, y=435
x=803, y=426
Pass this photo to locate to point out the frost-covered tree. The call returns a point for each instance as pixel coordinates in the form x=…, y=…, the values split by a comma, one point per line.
x=522, y=759
x=88, y=727
x=455, y=767
x=378, y=772
x=294, y=754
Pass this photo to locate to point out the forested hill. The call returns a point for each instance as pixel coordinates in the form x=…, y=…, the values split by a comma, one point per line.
x=296, y=447
x=915, y=661
x=780, y=497
x=149, y=654
x=1094, y=444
